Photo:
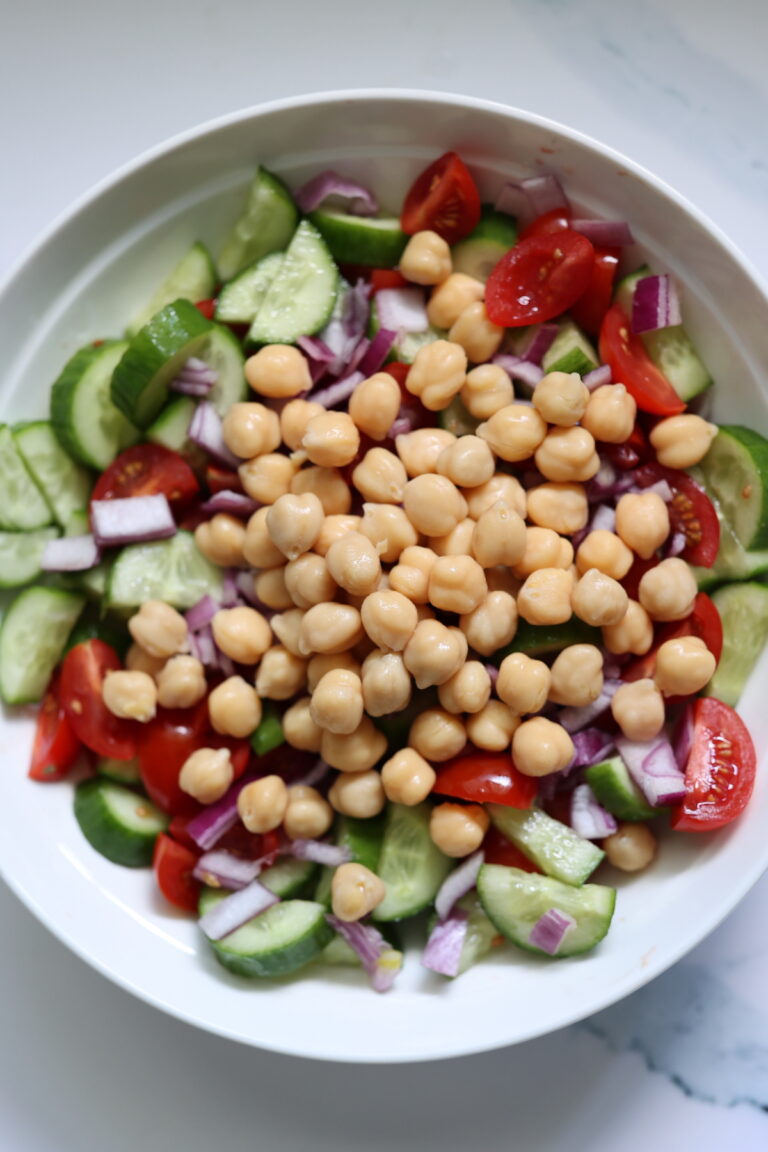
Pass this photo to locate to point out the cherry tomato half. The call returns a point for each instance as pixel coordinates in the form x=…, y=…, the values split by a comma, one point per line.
x=485, y=777
x=166, y=742
x=556, y=220
x=590, y=309
x=56, y=747
x=703, y=622
x=632, y=366
x=387, y=278
x=82, y=677
x=720, y=772
x=148, y=470
x=539, y=278
x=173, y=864
x=691, y=512
x=443, y=199
x=498, y=850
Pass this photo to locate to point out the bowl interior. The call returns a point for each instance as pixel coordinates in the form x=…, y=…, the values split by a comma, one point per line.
x=85, y=281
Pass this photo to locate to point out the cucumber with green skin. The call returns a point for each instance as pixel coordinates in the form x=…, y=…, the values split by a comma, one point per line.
x=21, y=554
x=65, y=485
x=375, y=241
x=240, y=299
x=615, y=789
x=86, y=421
x=172, y=570
x=277, y=942
x=545, y=639
x=266, y=224
x=119, y=823
x=22, y=508
x=743, y=610
x=480, y=252
x=301, y=297
x=32, y=639
x=554, y=847
x=735, y=472
x=411, y=865
x=193, y=279
x=570, y=351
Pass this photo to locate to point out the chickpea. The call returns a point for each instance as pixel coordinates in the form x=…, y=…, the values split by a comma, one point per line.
x=250, y=429
x=437, y=735
x=281, y=674
x=356, y=752
x=682, y=441
x=279, y=371
x=610, y=414
x=159, y=629
x=262, y=804
x=355, y=892
x=542, y=550
x=567, y=454
x=411, y=575
x=407, y=777
x=541, y=747
x=638, y=709
x=137, y=660
x=386, y=683
x=561, y=398
x=476, y=333
x=287, y=628
x=434, y=653
x=458, y=829
x=270, y=589
x=181, y=683
x=457, y=584
x=486, y=389
x=308, y=815
x=631, y=847
x=457, y=542
x=499, y=536
x=324, y=661
x=294, y=419
x=683, y=666
x=243, y=634
x=354, y=564
x=598, y=599
x=266, y=477
x=545, y=597
x=667, y=592
x=294, y=523
x=337, y=701
x=389, y=619
x=433, y=504
x=492, y=727
x=206, y=774
x=420, y=450
x=449, y=300
x=642, y=522
x=258, y=548
x=330, y=628
x=523, y=684
x=468, y=462
x=331, y=439
x=437, y=374
x=561, y=507
x=221, y=540
x=309, y=581
x=374, y=405
x=334, y=528
x=499, y=487
x=299, y=729
x=605, y=551
x=491, y=624
x=577, y=676
x=389, y=529
x=380, y=476
x=234, y=708
x=426, y=259
x=358, y=794
x=468, y=690
x=130, y=695
x=633, y=633
x=515, y=432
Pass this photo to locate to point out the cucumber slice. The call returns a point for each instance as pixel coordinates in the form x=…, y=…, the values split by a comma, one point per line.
x=118, y=823
x=289, y=877
x=241, y=298
x=269, y=733
x=193, y=279
x=65, y=485
x=300, y=299
x=554, y=847
x=543, y=639
x=32, y=639
x=482, y=934
x=85, y=419
x=22, y=507
x=223, y=353
x=266, y=224
x=743, y=609
x=376, y=241
x=515, y=900
x=733, y=562
x=170, y=428
x=735, y=472
x=279, y=941
x=20, y=555
x=171, y=570
x=479, y=254
x=119, y=771
x=93, y=582
x=411, y=865
x=615, y=789
x=363, y=840
x=154, y=357
x=570, y=351
x=456, y=419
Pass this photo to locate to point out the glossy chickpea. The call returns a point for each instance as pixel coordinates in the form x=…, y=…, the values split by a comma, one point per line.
x=610, y=414
x=458, y=829
x=355, y=892
x=542, y=550
x=221, y=540
x=386, y=683
x=334, y=528
x=426, y=259
x=309, y=581
x=456, y=584
x=638, y=709
x=668, y=590
x=598, y=599
x=449, y=300
x=561, y=398
x=457, y=542
x=433, y=504
x=337, y=701
x=407, y=778
x=492, y=727
x=281, y=674
x=328, y=484
x=567, y=454
x=501, y=486
x=545, y=597
x=270, y=588
x=262, y=804
x=682, y=441
x=683, y=666
x=330, y=628
x=633, y=633
x=389, y=529
x=258, y=549
x=181, y=683
x=541, y=747
x=491, y=624
x=294, y=419
x=299, y=729
x=374, y=405
x=356, y=752
x=389, y=619
x=137, y=660
x=206, y=774
x=437, y=735
x=468, y=690
x=358, y=794
x=380, y=477
x=468, y=462
x=515, y=432
x=487, y=388
x=410, y=576
x=354, y=564
x=420, y=450
x=266, y=477
x=605, y=551
x=159, y=629
x=308, y=815
x=642, y=522
x=437, y=374
x=560, y=506
x=631, y=847
x=331, y=439
x=250, y=429
x=234, y=708
x=523, y=683
x=242, y=634
x=279, y=371
x=294, y=523
x=499, y=536
x=130, y=695
x=434, y=653
x=476, y=333
x=576, y=676
x=324, y=662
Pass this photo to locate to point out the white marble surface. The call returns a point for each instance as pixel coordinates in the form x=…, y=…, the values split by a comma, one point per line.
x=681, y=87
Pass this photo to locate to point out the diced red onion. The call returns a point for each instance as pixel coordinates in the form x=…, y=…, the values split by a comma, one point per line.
x=70, y=554
x=684, y=738
x=653, y=767
x=377, y=351
x=549, y=930
x=590, y=746
x=605, y=233
x=515, y=201
x=607, y=483
x=380, y=960
x=132, y=520
x=541, y=341
x=316, y=774
x=207, y=828
x=676, y=544
x=201, y=613
x=245, y=586
x=597, y=377
x=457, y=883
x=574, y=719
x=187, y=387
x=344, y=331
x=221, y=869
x=660, y=487
x=230, y=593
x=519, y=369
x=655, y=304
x=319, y=853
x=401, y=427
x=205, y=430
x=235, y=910
x=604, y=519
x=233, y=503
x=402, y=309
x=493, y=672
x=588, y=818
x=443, y=950
x=315, y=348
x=545, y=193
x=362, y=202
x=337, y=392
x=203, y=647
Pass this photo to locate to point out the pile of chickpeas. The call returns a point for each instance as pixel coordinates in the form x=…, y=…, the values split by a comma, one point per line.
x=423, y=584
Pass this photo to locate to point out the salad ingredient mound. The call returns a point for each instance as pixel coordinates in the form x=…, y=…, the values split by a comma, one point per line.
x=364, y=580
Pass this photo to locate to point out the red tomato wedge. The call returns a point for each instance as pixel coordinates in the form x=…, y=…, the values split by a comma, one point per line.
x=556, y=220
x=166, y=742
x=703, y=622
x=443, y=199
x=691, y=513
x=387, y=278
x=220, y=479
x=174, y=864
x=590, y=309
x=720, y=772
x=56, y=747
x=207, y=308
x=498, y=850
x=539, y=278
x=82, y=676
x=148, y=470
x=632, y=366
x=485, y=777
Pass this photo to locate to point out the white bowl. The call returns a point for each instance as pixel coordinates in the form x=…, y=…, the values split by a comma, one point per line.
x=84, y=279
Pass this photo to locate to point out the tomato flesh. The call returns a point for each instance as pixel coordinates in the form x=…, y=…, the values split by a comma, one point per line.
x=632, y=366
x=207, y=308
x=56, y=746
x=691, y=513
x=485, y=777
x=174, y=864
x=443, y=199
x=148, y=470
x=387, y=278
x=166, y=742
x=590, y=309
x=498, y=850
x=720, y=772
x=556, y=220
x=82, y=676
x=539, y=278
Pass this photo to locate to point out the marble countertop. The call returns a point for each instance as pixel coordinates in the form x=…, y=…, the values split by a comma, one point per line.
x=680, y=87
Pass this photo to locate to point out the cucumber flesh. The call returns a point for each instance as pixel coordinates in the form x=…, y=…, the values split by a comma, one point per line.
x=482, y=933
x=32, y=639
x=170, y=428
x=735, y=472
x=222, y=352
x=543, y=639
x=375, y=241
x=553, y=846
x=743, y=610
x=411, y=865
x=20, y=555
x=481, y=251
x=119, y=771
x=86, y=421
x=275, y=943
x=117, y=822
x=300, y=299
x=172, y=570
x=266, y=224
x=193, y=279
x=515, y=900
x=362, y=839
x=65, y=485
x=456, y=419
x=570, y=351
x=289, y=877
x=615, y=789
x=22, y=507
x=241, y=298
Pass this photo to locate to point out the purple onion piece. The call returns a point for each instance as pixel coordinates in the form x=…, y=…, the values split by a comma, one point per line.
x=606, y=233
x=655, y=304
x=574, y=719
x=402, y=309
x=590, y=746
x=360, y=201
x=70, y=554
x=187, y=387
x=207, y=828
x=549, y=931
x=684, y=738
x=316, y=774
x=519, y=369
x=515, y=201
x=380, y=960
x=337, y=392
x=603, y=519
x=545, y=193
x=233, y=503
x=235, y=910
x=597, y=377
x=133, y=520
x=588, y=818
x=331, y=855
x=401, y=427
x=653, y=767
x=442, y=953
x=457, y=883
x=221, y=869
x=201, y=613
x=377, y=351
x=205, y=430
x=539, y=344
